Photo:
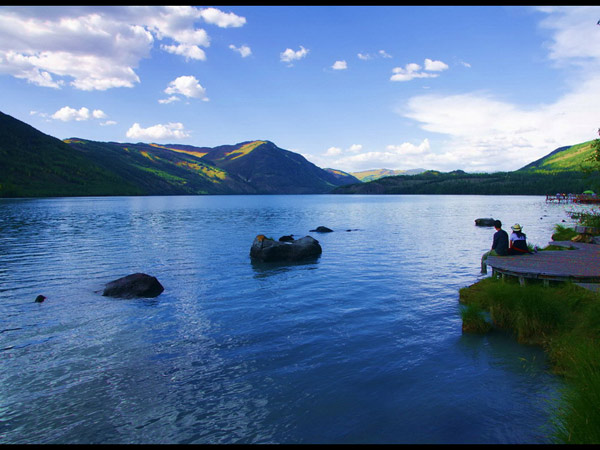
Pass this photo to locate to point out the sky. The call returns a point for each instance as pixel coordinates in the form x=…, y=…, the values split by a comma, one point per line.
x=475, y=88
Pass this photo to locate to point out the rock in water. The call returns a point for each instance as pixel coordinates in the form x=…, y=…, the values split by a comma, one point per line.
x=268, y=250
x=322, y=229
x=134, y=285
x=40, y=299
x=486, y=222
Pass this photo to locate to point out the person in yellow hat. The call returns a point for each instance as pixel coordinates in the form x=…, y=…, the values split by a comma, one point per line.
x=517, y=244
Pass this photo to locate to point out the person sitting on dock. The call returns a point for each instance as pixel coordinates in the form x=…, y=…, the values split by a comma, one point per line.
x=499, y=245
x=518, y=241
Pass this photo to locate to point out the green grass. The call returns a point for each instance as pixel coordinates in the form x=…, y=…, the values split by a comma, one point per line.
x=565, y=321
x=562, y=233
x=474, y=320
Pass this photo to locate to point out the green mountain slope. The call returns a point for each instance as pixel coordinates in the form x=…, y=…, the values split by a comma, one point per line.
x=33, y=164
x=158, y=170
x=570, y=158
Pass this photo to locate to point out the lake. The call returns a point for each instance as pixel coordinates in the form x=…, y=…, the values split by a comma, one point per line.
x=363, y=345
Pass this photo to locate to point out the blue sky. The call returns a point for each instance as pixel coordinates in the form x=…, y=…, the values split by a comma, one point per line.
x=482, y=88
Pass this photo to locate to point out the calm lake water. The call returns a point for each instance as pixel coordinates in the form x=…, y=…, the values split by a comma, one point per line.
x=362, y=346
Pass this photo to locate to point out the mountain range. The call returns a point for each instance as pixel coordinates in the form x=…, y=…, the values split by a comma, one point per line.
x=34, y=164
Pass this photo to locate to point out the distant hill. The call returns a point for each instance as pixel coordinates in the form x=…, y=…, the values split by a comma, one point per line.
x=33, y=164
x=375, y=174
x=563, y=170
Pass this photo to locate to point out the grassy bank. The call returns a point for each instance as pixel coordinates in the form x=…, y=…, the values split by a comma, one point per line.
x=565, y=321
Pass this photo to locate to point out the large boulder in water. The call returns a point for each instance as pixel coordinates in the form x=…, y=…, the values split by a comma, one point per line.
x=485, y=222
x=134, y=285
x=269, y=250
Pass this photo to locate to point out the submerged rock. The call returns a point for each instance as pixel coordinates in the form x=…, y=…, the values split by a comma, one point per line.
x=485, y=222
x=40, y=299
x=134, y=285
x=268, y=250
x=321, y=229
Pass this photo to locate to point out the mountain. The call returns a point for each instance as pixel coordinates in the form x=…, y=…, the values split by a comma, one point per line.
x=566, y=169
x=33, y=164
x=375, y=174
x=569, y=158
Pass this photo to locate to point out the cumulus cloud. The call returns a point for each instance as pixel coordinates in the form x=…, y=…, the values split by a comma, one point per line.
x=244, y=50
x=188, y=86
x=339, y=65
x=186, y=50
x=221, y=19
x=413, y=70
x=158, y=132
x=436, y=66
x=289, y=55
x=99, y=47
x=395, y=156
x=67, y=114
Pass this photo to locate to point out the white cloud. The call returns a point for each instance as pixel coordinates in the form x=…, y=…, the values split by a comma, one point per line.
x=158, y=132
x=67, y=114
x=354, y=159
x=188, y=86
x=289, y=55
x=576, y=38
x=221, y=19
x=244, y=50
x=436, y=66
x=171, y=99
x=186, y=50
x=339, y=65
x=379, y=54
x=413, y=70
x=333, y=151
x=99, y=47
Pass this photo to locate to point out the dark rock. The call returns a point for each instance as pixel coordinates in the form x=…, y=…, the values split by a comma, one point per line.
x=40, y=299
x=289, y=238
x=322, y=230
x=486, y=222
x=135, y=285
x=268, y=250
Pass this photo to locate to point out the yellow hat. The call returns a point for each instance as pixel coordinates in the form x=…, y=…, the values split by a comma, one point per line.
x=516, y=227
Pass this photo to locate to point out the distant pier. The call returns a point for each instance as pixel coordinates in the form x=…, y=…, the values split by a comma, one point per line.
x=573, y=198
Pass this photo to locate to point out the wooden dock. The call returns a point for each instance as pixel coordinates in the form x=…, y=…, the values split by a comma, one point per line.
x=581, y=265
